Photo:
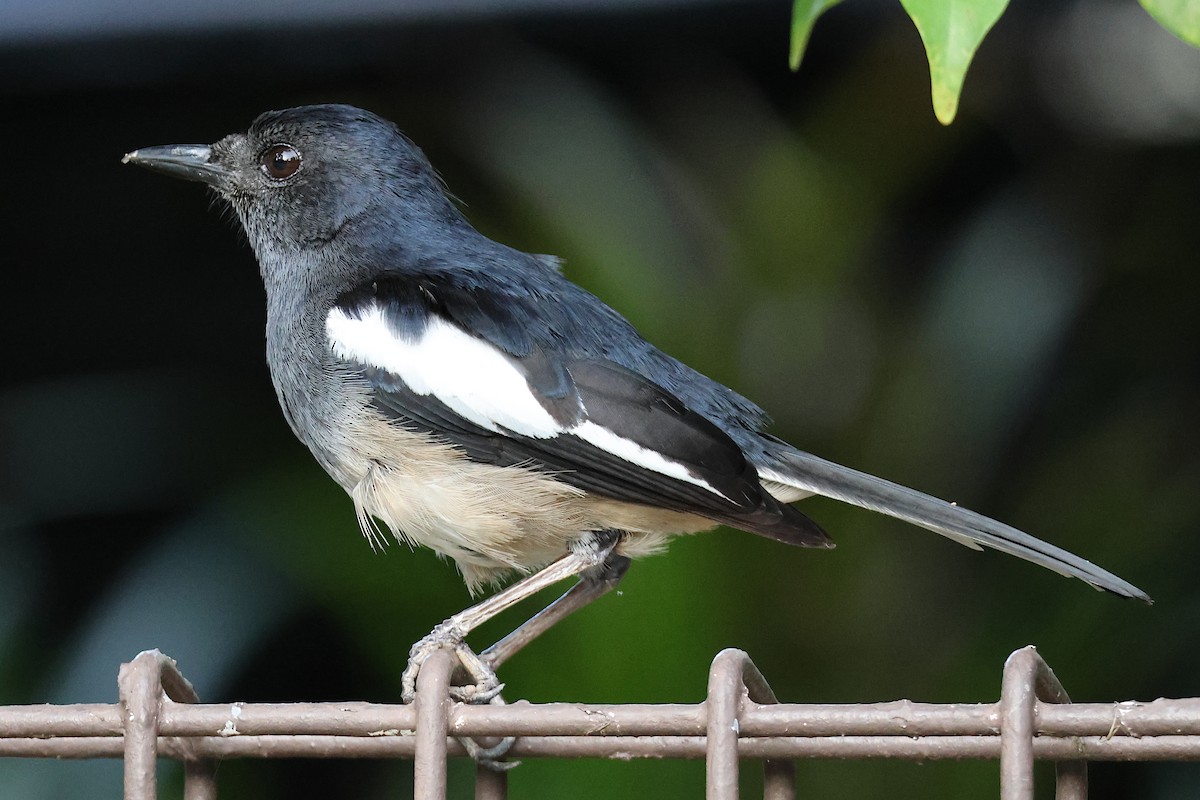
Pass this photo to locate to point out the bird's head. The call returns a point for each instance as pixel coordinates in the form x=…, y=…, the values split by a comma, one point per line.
x=297, y=178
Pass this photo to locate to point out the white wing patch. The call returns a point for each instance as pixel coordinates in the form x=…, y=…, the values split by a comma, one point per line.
x=478, y=382
x=470, y=376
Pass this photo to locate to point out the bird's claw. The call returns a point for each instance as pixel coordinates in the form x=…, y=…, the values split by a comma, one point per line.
x=480, y=693
x=489, y=756
x=483, y=686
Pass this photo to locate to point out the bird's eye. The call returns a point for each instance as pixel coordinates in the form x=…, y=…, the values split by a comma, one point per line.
x=280, y=161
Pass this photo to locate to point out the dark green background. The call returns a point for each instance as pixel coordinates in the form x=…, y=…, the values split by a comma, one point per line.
x=1004, y=313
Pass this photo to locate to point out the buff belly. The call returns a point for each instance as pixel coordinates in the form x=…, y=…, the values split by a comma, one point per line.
x=491, y=520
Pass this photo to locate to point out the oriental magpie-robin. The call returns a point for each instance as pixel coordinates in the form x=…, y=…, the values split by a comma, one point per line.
x=473, y=400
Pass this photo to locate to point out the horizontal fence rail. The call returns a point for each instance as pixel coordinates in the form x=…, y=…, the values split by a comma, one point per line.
x=159, y=716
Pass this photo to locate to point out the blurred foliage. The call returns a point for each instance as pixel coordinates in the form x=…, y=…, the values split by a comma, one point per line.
x=1003, y=313
x=952, y=31
x=1180, y=17
x=805, y=14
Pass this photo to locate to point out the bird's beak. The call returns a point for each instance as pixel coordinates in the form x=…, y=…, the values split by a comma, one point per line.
x=192, y=162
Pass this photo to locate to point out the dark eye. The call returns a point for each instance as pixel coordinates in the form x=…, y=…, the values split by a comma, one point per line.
x=280, y=161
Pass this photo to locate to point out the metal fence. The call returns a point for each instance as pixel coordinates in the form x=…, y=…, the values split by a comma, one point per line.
x=159, y=715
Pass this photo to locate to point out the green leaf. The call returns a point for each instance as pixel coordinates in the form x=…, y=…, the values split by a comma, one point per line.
x=952, y=31
x=804, y=16
x=1180, y=17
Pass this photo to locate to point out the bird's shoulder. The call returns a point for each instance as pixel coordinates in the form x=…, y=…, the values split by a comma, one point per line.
x=525, y=306
x=517, y=310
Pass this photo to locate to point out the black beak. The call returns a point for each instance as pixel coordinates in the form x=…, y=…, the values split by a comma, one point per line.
x=192, y=162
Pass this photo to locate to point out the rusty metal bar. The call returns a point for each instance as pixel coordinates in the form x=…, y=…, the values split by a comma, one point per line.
x=1027, y=679
x=724, y=696
x=145, y=685
x=578, y=719
x=779, y=775
x=175, y=687
x=1016, y=728
x=897, y=718
x=199, y=774
x=335, y=719
x=1096, y=747
x=1071, y=781
x=199, y=779
x=433, y=706
x=932, y=748
x=158, y=714
x=140, y=690
x=80, y=719
x=733, y=680
x=1163, y=717
x=490, y=784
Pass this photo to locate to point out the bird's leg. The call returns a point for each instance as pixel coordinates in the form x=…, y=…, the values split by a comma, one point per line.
x=593, y=583
x=590, y=553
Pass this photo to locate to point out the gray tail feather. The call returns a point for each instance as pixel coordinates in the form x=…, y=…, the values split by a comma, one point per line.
x=812, y=474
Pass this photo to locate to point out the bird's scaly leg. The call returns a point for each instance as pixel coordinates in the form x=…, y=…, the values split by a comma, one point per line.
x=591, y=558
x=593, y=583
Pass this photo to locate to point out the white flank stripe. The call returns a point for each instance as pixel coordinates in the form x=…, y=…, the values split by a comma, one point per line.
x=634, y=453
x=469, y=375
x=478, y=382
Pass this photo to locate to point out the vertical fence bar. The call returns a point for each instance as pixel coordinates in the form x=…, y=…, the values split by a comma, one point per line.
x=1071, y=780
x=199, y=780
x=1070, y=777
x=199, y=775
x=490, y=784
x=721, y=706
x=1027, y=679
x=779, y=774
x=140, y=691
x=1016, y=726
x=779, y=779
x=732, y=677
x=433, y=725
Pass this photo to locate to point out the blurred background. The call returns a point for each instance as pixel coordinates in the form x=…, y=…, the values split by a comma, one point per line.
x=1004, y=313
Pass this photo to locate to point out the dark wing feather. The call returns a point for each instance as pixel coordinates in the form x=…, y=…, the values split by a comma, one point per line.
x=511, y=300
x=577, y=390
x=633, y=410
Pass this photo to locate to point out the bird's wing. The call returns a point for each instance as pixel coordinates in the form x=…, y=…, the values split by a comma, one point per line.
x=464, y=365
x=809, y=473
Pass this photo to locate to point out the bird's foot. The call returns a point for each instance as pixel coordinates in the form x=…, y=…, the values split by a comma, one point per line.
x=483, y=686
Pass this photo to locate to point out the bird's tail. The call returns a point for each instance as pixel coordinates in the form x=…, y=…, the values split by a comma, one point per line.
x=806, y=474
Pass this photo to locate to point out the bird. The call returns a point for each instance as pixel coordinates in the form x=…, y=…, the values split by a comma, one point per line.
x=471, y=399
